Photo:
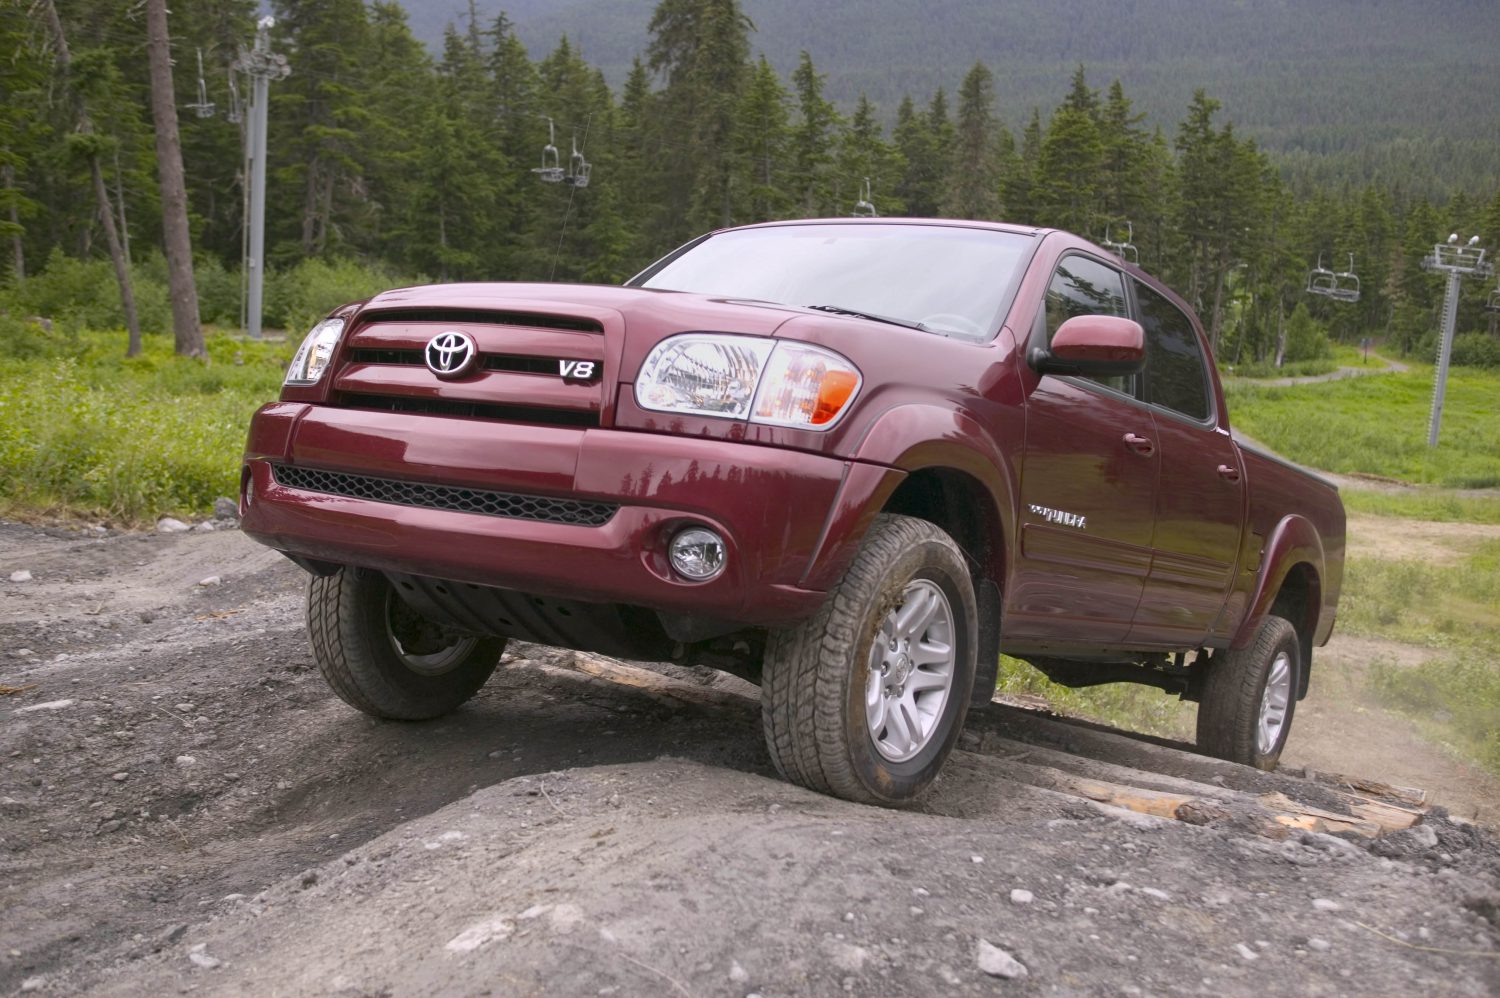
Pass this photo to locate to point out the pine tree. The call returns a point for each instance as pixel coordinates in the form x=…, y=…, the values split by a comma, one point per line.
x=973, y=185
x=812, y=143
x=764, y=137
x=702, y=49
x=1072, y=160
x=864, y=154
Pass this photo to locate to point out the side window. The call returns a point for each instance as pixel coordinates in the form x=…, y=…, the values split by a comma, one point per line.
x=1176, y=370
x=1082, y=286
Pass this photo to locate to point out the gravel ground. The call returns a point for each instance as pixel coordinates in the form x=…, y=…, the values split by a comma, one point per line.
x=185, y=807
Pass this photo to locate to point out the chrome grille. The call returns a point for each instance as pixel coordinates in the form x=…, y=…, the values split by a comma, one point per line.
x=506, y=504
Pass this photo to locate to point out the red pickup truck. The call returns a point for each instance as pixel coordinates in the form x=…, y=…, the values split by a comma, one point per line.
x=854, y=460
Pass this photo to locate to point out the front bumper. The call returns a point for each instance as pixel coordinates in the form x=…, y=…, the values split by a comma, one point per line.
x=773, y=507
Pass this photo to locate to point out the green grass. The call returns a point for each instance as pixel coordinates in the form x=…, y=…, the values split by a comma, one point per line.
x=1424, y=504
x=1133, y=708
x=1422, y=603
x=86, y=432
x=1377, y=425
x=1454, y=700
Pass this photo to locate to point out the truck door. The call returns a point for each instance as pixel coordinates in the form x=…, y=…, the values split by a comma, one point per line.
x=1200, y=507
x=1088, y=486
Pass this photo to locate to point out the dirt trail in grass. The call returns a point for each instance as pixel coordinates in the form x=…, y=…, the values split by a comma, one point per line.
x=1338, y=374
x=1342, y=728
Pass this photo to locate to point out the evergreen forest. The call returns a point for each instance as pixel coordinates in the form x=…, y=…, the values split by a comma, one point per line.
x=388, y=158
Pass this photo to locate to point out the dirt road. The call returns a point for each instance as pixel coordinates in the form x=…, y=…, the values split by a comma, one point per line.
x=184, y=806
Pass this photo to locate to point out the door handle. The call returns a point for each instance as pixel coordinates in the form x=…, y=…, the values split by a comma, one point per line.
x=1144, y=446
x=1228, y=473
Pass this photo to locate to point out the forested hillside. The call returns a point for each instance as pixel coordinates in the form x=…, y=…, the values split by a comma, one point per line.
x=1338, y=90
x=389, y=163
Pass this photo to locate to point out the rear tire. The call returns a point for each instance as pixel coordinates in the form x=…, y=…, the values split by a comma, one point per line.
x=1250, y=695
x=865, y=699
x=381, y=657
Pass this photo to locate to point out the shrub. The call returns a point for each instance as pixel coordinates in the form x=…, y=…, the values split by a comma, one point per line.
x=83, y=294
x=1306, y=339
x=1476, y=350
x=297, y=298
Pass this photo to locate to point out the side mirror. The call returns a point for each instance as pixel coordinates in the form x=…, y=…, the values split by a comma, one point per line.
x=1093, y=346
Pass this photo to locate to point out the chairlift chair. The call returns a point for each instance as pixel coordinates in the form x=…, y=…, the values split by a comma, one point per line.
x=864, y=207
x=1346, y=284
x=551, y=170
x=578, y=168
x=1493, y=304
x=1126, y=249
x=204, y=107
x=1322, y=281
x=236, y=113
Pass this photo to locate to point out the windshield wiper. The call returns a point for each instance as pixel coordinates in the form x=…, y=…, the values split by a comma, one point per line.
x=856, y=313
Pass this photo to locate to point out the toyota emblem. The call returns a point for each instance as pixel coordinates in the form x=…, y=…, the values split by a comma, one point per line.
x=451, y=354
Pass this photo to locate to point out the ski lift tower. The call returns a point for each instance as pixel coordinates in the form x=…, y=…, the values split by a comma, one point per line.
x=262, y=66
x=1457, y=262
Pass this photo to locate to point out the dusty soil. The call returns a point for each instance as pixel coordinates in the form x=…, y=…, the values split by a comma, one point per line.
x=195, y=811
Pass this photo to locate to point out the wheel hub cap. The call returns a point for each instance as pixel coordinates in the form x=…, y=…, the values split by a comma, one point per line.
x=911, y=667
x=1273, y=704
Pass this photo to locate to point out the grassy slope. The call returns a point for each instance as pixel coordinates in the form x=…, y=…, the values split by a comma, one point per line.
x=1377, y=425
x=86, y=432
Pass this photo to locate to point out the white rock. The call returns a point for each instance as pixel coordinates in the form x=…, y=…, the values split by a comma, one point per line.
x=1246, y=952
x=479, y=934
x=738, y=974
x=205, y=527
x=1324, y=904
x=185, y=761
x=565, y=917
x=1153, y=892
x=49, y=705
x=120, y=777
x=1321, y=945
x=23, y=576
x=997, y=963
x=1021, y=896
x=33, y=983
x=167, y=525
x=1423, y=835
x=201, y=959
x=976, y=859
x=212, y=580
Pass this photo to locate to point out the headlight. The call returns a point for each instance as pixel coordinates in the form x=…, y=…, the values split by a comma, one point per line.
x=781, y=383
x=315, y=353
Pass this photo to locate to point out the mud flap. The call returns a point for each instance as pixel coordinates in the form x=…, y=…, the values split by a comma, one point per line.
x=987, y=659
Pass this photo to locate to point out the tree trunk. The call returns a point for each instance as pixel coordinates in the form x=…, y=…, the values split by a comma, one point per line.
x=186, y=331
x=117, y=257
x=101, y=195
x=18, y=265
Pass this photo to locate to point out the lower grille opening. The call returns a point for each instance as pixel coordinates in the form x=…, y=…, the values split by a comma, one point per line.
x=478, y=410
x=578, y=512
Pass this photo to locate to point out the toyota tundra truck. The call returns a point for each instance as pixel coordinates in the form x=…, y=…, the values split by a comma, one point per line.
x=852, y=460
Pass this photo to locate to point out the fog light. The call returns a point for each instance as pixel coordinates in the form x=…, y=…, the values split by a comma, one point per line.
x=697, y=553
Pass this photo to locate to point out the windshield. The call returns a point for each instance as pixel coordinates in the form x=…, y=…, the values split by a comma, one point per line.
x=951, y=279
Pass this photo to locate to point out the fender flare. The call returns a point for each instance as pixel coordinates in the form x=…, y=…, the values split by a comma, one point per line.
x=1293, y=541
x=902, y=440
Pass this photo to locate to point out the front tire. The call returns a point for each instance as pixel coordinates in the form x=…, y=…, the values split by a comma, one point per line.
x=381, y=657
x=1249, y=697
x=865, y=699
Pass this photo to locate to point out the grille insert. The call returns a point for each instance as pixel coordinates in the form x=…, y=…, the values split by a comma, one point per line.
x=477, y=410
x=507, y=504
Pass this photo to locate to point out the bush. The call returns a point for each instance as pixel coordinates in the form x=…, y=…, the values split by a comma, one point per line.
x=1476, y=350
x=83, y=294
x=29, y=339
x=297, y=298
x=1306, y=339
x=218, y=292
